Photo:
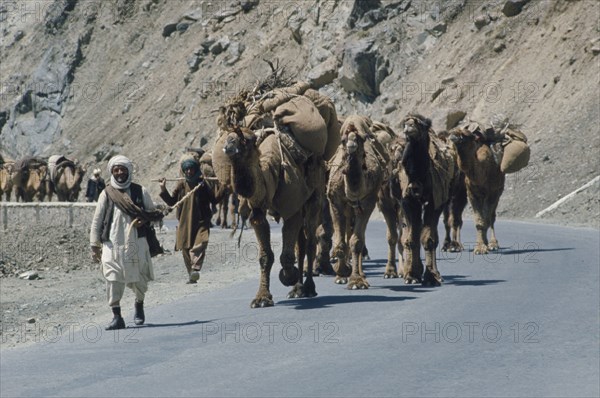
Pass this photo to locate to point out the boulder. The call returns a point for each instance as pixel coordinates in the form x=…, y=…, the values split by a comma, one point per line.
x=363, y=69
x=513, y=7
x=324, y=73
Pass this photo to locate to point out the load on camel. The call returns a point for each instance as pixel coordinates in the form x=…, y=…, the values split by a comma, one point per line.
x=29, y=179
x=272, y=146
x=358, y=173
x=484, y=156
x=427, y=178
x=6, y=182
x=65, y=177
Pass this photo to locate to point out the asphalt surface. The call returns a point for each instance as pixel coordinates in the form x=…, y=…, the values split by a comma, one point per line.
x=524, y=322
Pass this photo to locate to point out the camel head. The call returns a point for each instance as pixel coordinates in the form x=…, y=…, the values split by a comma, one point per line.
x=239, y=143
x=353, y=142
x=396, y=151
x=464, y=139
x=416, y=126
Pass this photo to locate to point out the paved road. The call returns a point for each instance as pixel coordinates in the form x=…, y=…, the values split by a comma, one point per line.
x=522, y=323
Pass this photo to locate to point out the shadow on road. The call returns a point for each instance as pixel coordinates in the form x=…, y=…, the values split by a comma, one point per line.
x=163, y=325
x=461, y=280
x=328, y=301
x=533, y=250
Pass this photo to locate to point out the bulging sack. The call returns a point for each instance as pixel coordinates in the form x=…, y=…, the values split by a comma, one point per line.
x=302, y=117
x=516, y=152
x=516, y=156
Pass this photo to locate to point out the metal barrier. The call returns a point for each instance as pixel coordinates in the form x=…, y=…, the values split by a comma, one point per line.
x=69, y=213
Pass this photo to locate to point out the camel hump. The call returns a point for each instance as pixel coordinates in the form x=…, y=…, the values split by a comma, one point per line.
x=302, y=118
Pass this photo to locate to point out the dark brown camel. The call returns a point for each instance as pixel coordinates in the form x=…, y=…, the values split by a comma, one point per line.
x=427, y=176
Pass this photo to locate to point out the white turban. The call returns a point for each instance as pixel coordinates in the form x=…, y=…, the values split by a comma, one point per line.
x=120, y=160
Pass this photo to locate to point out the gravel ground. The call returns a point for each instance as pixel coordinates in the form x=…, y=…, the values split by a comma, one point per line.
x=69, y=290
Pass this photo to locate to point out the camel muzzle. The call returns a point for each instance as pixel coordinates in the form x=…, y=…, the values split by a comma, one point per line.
x=351, y=147
x=230, y=150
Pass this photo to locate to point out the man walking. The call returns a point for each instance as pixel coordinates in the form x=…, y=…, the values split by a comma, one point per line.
x=118, y=239
x=193, y=215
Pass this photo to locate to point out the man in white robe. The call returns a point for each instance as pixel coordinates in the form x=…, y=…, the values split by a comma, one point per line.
x=115, y=242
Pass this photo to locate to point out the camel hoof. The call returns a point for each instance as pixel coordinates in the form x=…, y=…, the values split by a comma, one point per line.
x=390, y=275
x=358, y=282
x=294, y=293
x=261, y=303
x=341, y=280
x=290, y=276
x=481, y=250
x=325, y=269
x=432, y=279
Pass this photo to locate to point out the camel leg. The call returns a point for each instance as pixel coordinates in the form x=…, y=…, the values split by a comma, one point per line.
x=339, y=220
x=400, y=226
x=233, y=211
x=448, y=228
x=481, y=224
x=493, y=244
x=324, y=242
x=459, y=202
x=413, y=267
x=430, y=240
x=289, y=275
x=358, y=279
x=386, y=206
x=298, y=291
x=307, y=242
x=258, y=220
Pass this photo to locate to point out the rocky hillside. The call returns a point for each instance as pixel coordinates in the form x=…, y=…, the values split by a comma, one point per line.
x=89, y=79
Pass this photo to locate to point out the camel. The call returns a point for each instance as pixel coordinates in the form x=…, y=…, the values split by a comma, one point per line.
x=358, y=171
x=453, y=210
x=228, y=204
x=427, y=177
x=67, y=180
x=6, y=182
x=484, y=182
x=269, y=180
x=29, y=179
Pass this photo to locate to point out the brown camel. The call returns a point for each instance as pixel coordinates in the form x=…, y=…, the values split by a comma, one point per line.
x=484, y=181
x=67, y=181
x=358, y=171
x=453, y=210
x=268, y=179
x=426, y=179
x=6, y=182
x=223, y=208
x=30, y=183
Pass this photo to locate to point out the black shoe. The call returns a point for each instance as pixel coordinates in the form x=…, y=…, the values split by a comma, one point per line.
x=194, y=276
x=139, y=318
x=118, y=322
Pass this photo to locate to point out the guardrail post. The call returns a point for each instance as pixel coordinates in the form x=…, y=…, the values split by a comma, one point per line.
x=71, y=216
x=5, y=217
x=37, y=214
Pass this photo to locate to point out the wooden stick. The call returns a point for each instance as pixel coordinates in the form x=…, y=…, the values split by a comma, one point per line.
x=168, y=179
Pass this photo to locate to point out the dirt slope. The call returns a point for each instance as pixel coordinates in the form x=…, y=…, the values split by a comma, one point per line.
x=89, y=79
